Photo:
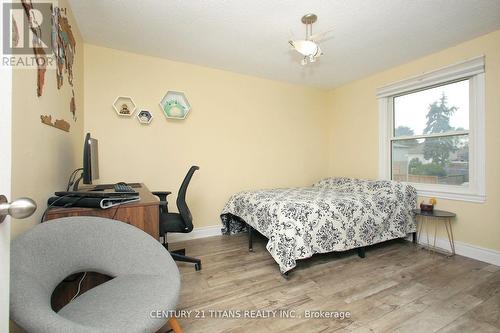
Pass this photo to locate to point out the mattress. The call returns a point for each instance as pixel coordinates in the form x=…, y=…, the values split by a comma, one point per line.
x=335, y=214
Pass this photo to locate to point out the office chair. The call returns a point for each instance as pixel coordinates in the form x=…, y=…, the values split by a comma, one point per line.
x=177, y=222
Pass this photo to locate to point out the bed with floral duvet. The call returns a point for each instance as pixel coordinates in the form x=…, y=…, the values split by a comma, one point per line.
x=335, y=214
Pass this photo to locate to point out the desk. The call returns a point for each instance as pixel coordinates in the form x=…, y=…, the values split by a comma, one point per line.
x=143, y=214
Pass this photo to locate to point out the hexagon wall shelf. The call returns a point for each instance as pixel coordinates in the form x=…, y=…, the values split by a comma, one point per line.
x=124, y=106
x=145, y=117
x=175, y=105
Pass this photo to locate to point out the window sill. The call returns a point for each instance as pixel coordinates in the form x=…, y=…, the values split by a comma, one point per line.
x=459, y=196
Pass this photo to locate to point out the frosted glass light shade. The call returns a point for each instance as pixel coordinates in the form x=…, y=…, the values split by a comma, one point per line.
x=305, y=47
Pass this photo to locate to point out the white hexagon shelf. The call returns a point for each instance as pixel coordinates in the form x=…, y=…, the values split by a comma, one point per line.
x=175, y=105
x=124, y=106
x=145, y=117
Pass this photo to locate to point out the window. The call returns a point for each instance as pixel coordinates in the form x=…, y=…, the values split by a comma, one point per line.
x=432, y=132
x=430, y=138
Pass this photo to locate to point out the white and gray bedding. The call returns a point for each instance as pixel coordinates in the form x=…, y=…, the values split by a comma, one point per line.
x=335, y=214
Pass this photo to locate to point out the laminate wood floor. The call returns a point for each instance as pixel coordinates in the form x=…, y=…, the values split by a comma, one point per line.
x=397, y=287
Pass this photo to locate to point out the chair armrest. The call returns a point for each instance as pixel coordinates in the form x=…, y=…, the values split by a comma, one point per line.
x=163, y=200
x=162, y=194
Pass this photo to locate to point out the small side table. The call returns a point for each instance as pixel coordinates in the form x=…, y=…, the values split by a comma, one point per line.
x=436, y=216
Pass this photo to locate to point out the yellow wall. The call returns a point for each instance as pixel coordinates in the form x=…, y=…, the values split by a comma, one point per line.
x=353, y=135
x=43, y=157
x=243, y=132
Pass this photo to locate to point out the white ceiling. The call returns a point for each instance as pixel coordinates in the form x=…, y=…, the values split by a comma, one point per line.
x=250, y=36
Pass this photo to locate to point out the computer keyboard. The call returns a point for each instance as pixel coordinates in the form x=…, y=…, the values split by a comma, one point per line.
x=121, y=187
x=103, y=187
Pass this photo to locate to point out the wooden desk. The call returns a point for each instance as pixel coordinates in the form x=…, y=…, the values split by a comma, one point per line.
x=143, y=214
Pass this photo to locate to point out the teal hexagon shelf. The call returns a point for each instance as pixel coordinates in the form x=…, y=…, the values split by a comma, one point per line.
x=175, y=105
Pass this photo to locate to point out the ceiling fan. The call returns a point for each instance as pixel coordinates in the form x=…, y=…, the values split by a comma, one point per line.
x=309, y=47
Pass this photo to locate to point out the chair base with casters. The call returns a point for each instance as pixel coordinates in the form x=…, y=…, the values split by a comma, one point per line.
x=180, y=255
x=181, y=222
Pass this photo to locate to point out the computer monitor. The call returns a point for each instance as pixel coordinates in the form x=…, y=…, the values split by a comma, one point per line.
x=90, y=160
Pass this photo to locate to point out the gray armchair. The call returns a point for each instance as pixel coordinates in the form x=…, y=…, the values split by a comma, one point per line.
x=145, y=279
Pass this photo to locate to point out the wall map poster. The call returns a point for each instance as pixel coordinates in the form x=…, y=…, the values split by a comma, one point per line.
x=63, y=47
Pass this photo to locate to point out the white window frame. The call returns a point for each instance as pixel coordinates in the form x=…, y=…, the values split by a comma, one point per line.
x=472, y=69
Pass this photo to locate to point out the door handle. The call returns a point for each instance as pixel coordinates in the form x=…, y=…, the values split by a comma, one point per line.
x=18, y=209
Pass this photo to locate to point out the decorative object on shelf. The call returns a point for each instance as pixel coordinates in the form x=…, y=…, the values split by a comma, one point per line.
x=58, y=123
x=175, y=105
x=124, y=109
x=428, y=207
x=124, y=106
x=145, y=117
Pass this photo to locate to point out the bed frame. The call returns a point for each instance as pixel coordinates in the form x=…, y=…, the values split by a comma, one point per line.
x=361, y=250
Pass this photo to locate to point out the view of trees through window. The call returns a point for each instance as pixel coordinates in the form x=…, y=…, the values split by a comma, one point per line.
x=430, y=139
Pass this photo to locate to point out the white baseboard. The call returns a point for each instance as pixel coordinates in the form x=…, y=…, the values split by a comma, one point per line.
x=202, y=232
x=467, y=250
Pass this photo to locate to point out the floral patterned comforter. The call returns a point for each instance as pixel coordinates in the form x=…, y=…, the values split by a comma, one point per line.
x=335, y=214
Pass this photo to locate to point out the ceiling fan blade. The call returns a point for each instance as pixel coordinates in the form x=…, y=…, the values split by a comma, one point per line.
x=319, y=53
x=319, y=36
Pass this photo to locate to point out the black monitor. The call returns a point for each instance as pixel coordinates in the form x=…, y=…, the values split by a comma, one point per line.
x=90, y=170
x=90, y=160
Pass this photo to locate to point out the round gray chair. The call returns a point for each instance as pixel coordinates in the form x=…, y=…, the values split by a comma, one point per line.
x=145, y=278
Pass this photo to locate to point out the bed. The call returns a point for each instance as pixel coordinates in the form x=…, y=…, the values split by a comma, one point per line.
x=335, y=214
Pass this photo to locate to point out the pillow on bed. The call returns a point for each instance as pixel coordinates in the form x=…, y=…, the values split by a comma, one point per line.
x=339, y=183
x=344, y=184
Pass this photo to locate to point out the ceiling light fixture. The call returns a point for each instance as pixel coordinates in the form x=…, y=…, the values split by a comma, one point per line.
x=309, y=47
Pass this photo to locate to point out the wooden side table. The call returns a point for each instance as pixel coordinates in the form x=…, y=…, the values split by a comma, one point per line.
x=437, y=216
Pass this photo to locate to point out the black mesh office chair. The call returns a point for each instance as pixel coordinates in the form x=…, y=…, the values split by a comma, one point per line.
x=177, y=222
